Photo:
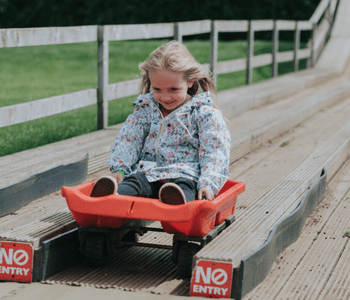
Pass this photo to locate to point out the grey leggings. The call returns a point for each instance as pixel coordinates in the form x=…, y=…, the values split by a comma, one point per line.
x=138, y=185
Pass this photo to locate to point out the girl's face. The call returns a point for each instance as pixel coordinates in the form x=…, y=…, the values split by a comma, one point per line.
x=169, y=88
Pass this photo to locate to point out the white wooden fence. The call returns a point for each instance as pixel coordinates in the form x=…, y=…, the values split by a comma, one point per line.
x=320, y=25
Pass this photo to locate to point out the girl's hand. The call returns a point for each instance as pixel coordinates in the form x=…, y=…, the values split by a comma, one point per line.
x=118, y=176
x=205, y=192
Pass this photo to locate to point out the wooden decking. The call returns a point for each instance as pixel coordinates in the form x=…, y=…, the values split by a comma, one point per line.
x=284, y=131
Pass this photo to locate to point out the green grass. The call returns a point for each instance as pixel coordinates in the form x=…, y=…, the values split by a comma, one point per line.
x=30, y=73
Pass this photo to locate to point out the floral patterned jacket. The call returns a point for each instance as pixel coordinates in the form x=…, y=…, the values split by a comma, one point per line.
x=192, y=142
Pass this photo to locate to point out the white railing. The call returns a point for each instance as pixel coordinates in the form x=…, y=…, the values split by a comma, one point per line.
x=320, y=25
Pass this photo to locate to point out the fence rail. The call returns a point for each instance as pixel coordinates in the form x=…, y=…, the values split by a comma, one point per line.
x=320, y=25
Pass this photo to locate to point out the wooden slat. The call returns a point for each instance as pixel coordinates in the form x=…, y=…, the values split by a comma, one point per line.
x=262, y=25
x=305, y=25
x=262, y=60
x=138, y=32
x=333, y=6
x=229, y=66
x=304, y=53
x=321, y=35
x=195, y=27
x=286, y=25
x=123, y=89
x=331, y=155
x=235, y=65
x=14, y=114
x=206, y=68
x=232, y=26
x=316, y=16
x=285, y=56
x=47, y=36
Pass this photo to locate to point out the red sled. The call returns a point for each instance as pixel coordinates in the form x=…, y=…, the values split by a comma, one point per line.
x=193, y=224
x=195, y=218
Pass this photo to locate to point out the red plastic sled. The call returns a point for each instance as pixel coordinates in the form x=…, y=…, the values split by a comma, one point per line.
x=195, y=218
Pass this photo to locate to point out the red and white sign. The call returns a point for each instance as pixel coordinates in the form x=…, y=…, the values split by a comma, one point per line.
x=212, y=279
x=16, y=261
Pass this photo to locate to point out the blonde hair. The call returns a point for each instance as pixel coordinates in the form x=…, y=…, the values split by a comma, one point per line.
x=175, y=57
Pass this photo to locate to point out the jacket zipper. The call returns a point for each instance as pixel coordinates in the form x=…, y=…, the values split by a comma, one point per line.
x=157, y=143
x=160, y=131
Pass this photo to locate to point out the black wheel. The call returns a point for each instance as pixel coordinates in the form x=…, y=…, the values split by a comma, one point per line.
x=131, y=236
x=185, y=257
x=96, y=252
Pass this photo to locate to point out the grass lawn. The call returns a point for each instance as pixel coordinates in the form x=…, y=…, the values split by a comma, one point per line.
x=31, y=73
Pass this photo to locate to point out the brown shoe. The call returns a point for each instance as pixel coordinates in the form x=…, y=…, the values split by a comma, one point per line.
x=106, y=185
x=171, y=193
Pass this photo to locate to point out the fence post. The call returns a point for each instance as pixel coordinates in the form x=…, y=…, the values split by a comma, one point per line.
x=214, y=51
x=250, y=53
x=178, y=32
x=296, y=46
x=275, y=42
x=313, y=45
x=102, y=79
x=330, y=17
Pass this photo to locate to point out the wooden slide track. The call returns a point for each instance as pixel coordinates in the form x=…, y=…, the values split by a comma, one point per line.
x=290, y=145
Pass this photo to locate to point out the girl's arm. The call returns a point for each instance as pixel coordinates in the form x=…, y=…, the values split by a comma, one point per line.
x=214, y=150
x=129, y=142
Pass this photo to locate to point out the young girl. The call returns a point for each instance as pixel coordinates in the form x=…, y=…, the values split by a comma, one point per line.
x=175, y=145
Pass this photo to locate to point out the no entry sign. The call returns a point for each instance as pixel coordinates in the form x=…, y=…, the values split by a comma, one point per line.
x=212, y=279
x=16, y=261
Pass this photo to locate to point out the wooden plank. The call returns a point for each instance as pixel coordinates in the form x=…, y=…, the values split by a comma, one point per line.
x=40, y=184
x=235, y=65
x=139, y=32
x=285, y=56
x=262, y=25
x=232, y=26
x=304, y=53
x=19, y=166
x=321, y=36
x=287, y=190
x=123, y=89
x=262, y=60
x=321, y=8
x=20, y=37
x=305, y=25
x=14, y=114
x=286, y=25
x=206, y=68
x=313, y=48
x=229, y=66
x=195, y=27
x=333, y=7
x=341, y=27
